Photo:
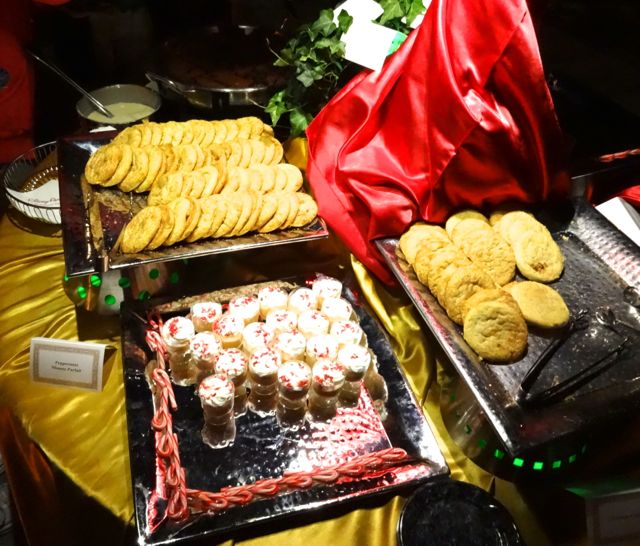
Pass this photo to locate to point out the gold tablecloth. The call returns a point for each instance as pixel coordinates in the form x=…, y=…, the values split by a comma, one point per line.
x=84, y=433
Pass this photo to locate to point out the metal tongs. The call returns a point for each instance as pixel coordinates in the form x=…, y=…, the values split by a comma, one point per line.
x=562, y=389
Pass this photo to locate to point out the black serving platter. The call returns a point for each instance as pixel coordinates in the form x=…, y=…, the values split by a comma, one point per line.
x=261, y=449
x=600, y=262
x=93, y=217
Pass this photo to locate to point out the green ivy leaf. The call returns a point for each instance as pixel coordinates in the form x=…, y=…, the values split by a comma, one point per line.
x=416, y=7
x=276, y=107
x=299, y=121
x=323, y=24
x=393, y=9
x=344, y=21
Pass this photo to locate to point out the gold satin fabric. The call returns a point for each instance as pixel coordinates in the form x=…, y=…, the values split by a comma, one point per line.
x=84, y=433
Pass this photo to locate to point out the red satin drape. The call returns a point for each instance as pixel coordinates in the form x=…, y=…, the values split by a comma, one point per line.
x=459, y=116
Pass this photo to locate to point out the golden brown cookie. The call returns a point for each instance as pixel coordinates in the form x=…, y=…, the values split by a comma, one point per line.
x=540, y=304
x=257, y=150
x=244, y=198
x=501, y=210
x=281, y=214
x=269, y=207
x=491, y=253
x=155, y=164
x=432, y=269
x=515, y=224
x=496, y=331
x=192, y=218
x=255, y=212
x=141, y=230
x=220, y=204
x=231, y=217
x=103, y=164
x=463, y=283
x=466, y=226
x=181, y=208
x=453, y=220
x=488, y=294
x=246, y=158
x=138, y=171
x=220, y=130
x=166, y=226
x=538, y=257
x=293, y=174
x=232, y=129
x=203, y=227
x=411, y=239
x=307, y=210
x=268, y=175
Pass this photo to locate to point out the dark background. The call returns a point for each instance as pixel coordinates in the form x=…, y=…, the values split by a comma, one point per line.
x=589, y=49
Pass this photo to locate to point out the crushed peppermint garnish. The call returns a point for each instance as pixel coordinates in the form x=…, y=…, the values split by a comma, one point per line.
x=354, y=358
x=294, y=375
x=231, y=362
x=302, y=299
x=322, y=346
x=328, y=374
x=256, y=335
x=336, y=309
x=246, y=307
x=327, y=287
x=205, y=346
x=216, y=390
x=177, y=331
x=346, y=331
x=264, y=362
x=290, y=345
x=228, y=325
x=312, y=323
x=271, y=297
x=282, y=320
x=206, y=311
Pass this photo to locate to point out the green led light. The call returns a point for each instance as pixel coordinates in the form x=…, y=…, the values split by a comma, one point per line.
x=572, y=459
x=556, y=465
x=538, y=465
x=65, y=278
x=482, y=443
x=124, y=282
x=518, y=462
x=95, y=280
x=154, y=273
x=110, y=299
x=81, y=291
x=144, y=295
x=467, y=429
x=584, y=448
x=498, y=454
x=174, y=278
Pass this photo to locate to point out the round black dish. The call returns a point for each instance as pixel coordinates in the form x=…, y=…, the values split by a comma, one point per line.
x=451, y=513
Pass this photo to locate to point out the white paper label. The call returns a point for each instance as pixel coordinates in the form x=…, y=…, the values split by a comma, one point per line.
x=365, y=10
x=46, y=195
x=368, y=43
x=67, y=363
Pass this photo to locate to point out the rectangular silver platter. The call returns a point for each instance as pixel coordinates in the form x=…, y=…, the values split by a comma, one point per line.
x=92, y=218
x=261, y=449
x=600, y=262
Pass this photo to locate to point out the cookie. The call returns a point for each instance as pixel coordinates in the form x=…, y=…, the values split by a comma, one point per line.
x=466, y=226
x=490, y=252
x=515, y=224
x=138, y=171
x=439, y=268
x=538, y=257
x=166, y=226
x=220, y=204
x=488, y=294
x=203, y=227
x=540, y=304
x=269, y=207
x=193, y=216
x=307, y=210
x=411, y=239
x=453, y=220
x=462, y=284
x=294, y=204
x=293, y=176
x=141, y=230
x=496, y=331
x=154, y=156
x=281, y=214
x=501, y=210
x=103, y=164
x=181, y=208
x=232, y=214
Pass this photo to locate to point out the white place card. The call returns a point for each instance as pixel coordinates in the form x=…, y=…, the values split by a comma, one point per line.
x=367, y=43
x=67, y=363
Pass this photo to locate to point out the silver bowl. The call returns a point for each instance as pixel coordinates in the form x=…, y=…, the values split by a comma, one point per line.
x=22, y=176
x=120, y=93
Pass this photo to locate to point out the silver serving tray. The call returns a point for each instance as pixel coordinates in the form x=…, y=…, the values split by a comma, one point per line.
x=92, y=219
x=600, y=262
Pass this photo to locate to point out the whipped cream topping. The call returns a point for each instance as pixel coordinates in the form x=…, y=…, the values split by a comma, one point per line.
x=264, y=362
x=272, y=298
x=354, y=358
x=313, y=323
x=290, y=345
x=205, y=346
x=322, y=346
x=228, y=325
x=294, y=375
x=346, y=331
x=302, y=299
x=328, y=374
x=205, y=313
x=282, y=320
x=327, y=287
x=246, y=307
x=232, y=363
x=216, y=390
x=336, y=309
x=256, y=335
x=177, y=331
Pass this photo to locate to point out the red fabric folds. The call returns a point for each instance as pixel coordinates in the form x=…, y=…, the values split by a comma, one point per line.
x=459, y=116
x=631, y=195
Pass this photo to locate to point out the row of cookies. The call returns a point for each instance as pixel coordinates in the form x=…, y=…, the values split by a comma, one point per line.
x=195, y=131
x=210, y=181
x=233, y=214
x=139, y=168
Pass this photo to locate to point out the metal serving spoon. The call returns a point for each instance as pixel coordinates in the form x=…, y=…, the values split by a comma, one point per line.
x=98, y=105
x=606, y=317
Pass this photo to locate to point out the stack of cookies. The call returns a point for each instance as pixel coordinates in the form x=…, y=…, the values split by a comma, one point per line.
x=205, y=179
x=469, y=267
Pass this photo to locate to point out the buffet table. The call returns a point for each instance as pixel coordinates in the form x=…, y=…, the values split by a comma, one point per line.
x=84, y=433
